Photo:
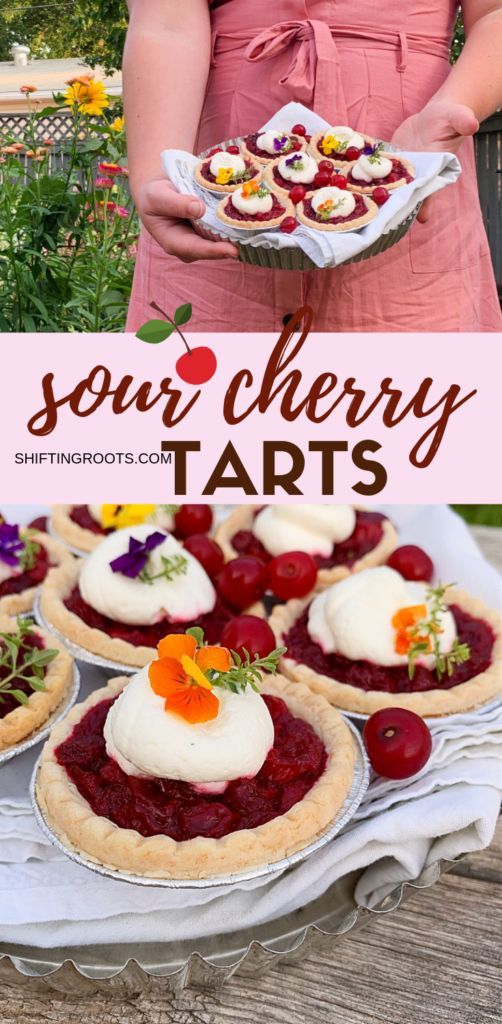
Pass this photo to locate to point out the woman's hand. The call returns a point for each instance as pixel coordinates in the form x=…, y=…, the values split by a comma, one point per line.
x=166, y=215
x=441, y=125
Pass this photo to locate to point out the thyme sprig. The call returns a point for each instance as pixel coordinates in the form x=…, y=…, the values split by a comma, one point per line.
x=21, y=663
x=29, y=554
x=376, y=154
x=244, y=671
x=175, y=565
x=426, y=633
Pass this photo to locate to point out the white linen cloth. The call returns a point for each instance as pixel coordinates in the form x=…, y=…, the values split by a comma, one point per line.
x=433, y=171
x=449, y=808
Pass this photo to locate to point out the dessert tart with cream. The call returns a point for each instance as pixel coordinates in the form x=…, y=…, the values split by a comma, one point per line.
x=378, y=168
x=36, y=674
x=376, y=640
x=224, y=171
x=342, y=539
x=296, y=169
x=119, y=601
x=267, y=145
x=340, y=144
x=189, y=771
x=26, y=557
x=84, y=526
x=253, y=206
x=335, y=209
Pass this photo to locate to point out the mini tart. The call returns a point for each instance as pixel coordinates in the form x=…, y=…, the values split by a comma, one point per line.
x=53, y=554
x=204, y=177
x=158, y=856
x=364, y=211
x=81, y=532
x=367, y=190
x=61, y=585
x=280, y=185
x=20, y=722
x=250, y=151
x=467, y=695
x=281, y=209
x=338, y=158
x=242, y=517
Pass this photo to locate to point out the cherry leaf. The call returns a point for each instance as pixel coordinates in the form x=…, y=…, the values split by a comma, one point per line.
x=154, y=332
x=183, y=314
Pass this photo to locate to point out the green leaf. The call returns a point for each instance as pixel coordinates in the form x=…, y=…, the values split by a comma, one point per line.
x=154, y=332
x=20, y=696
x=198, y=635
x=183, y=314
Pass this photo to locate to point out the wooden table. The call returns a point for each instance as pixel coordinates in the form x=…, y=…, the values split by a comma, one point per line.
x=435, y=961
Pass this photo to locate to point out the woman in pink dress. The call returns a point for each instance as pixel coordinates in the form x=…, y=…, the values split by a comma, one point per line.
x=195, y=74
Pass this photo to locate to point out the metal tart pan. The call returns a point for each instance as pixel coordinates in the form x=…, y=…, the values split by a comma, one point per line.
x=44, y=730
x=80, y=653
x=359, y=718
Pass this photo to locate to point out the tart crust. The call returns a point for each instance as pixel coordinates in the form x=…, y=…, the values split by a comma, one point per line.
x=99, y=839
x=214, y=187
x=242, y=519
x=367, y=190
x=71, y=533
x=21, y=722
x=17, y=604
x=268, y=177
x=350, y=225
x=58, y=585
x=255, y=225
x=245, y=152
x=466, y=696
x=319, y=155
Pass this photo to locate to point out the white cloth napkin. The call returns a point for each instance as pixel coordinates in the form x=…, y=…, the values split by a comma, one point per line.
x=326, y=249
x=450, y=808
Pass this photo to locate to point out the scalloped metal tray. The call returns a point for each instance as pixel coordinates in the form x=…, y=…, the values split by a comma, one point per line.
x=42, y=733
x=359, y=719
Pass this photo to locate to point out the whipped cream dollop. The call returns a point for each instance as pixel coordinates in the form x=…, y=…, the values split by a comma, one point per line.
x=343, y=203
x=300, y=168
x=354, y=617
x=145, y=739
x=132, y=601
x=252, y=203
x=160, y=517
x=311, y=528
x=346, y=134
x=269, y=141
x=368, y=168
x=227, y=160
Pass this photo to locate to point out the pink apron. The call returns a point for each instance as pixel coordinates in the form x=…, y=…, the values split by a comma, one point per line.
x=354, y=62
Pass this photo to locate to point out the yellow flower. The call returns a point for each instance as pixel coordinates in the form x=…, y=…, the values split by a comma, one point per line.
x=330, y=144
x=224, y=175
x=88, y=96
x=118, y=124
x=119, y=516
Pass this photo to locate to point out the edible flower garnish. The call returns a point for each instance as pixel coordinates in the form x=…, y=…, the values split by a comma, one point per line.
x=118, y=516
x=22, y=662
x=254, y=188
x=16, y=551
x=295, y=162
x=368, y=150
x=327, y=209
x=224, y=175
x=418, y=630
x=281, y=142
x=187, y=670
x=134, y=561
x=376, y=154
x=330, y=144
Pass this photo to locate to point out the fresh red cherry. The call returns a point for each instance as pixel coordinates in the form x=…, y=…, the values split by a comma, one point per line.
x=326, y=165
x=339, y=181
x=242, y=581
x=190, y=519
x=297, y=194
x=380, y=195
x=297, y=144
x=352, y=153
x=233, y=149
x=288, y=225
x=299, y=129
x=248, y=633
x=322, y=179
x=292, y=574
x=206, y=551
x=412, y=562
x=197, y=366
x=398, y=742
x=213, y=152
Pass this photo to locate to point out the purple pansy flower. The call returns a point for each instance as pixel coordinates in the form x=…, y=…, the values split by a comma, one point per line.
x=292, y=160
x=134, y=560
x=368, y=150
x=279, y=142
x=11, y=544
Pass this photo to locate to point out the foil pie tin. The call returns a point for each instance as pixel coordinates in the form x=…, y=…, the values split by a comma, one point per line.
x=80, y=653
x=358, y=717
x=266, y=871
x=44, y=730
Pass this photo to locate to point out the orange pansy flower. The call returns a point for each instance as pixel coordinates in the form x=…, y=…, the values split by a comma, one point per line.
x=404, y=623
x=179, y=676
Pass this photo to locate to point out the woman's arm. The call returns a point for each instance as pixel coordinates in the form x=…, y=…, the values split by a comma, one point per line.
x=166, y=63
x=472, y=90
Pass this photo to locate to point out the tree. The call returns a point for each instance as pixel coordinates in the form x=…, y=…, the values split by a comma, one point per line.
x=93, y=30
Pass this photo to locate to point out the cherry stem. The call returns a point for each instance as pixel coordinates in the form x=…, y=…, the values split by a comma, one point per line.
x=174, y=324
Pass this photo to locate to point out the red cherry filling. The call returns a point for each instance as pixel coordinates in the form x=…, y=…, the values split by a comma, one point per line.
x=398, y=173
x=80, y=515
x=211, y=178
x=212, y=623
x=155, y=806
x=367, y=533
x=359, y=211
x=276, y=211
x=290, y=186
x=30, y=578
x=250, y=141
x=367, y=676
x=7, y=702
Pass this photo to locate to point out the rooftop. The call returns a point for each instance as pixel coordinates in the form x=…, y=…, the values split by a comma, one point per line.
x=48, y=76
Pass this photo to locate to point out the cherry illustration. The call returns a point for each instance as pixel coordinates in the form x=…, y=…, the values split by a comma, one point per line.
x=196, y=365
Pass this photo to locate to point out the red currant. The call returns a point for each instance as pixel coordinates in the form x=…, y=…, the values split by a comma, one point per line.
x=326, y=165
x=288, y=225
x=206, y=551
x=248, y=633
x=299, y=129
x=191, y=519
x=233, y=149
x=352, y=153
x=297, y=194
x=322, y=179
x=412, y=562
x=242, y=581
x=380, y=195
x=339, y=181
x=398, y=742
x=292, y=574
